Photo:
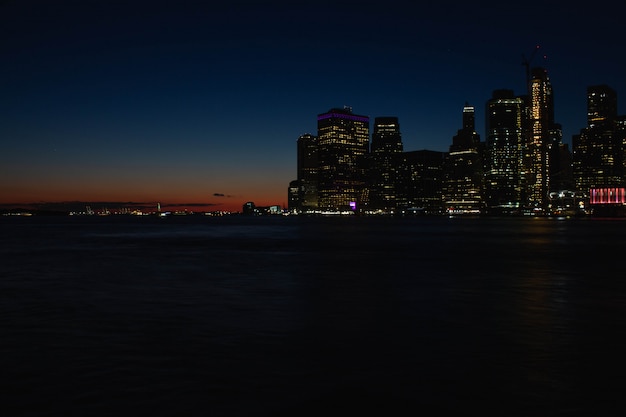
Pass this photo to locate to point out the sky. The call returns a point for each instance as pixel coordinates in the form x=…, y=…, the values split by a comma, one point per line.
x=193, y=104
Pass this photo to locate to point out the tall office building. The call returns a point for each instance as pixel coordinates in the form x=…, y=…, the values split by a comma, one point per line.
x=504, y=174
x=343, y=143
x=307, y=173
x=599, y=147
x=463, y=173
x=544, y=135
x=386, y=145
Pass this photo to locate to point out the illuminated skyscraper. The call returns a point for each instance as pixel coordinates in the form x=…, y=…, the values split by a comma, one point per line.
x=386, y=145
x=343, y=143
x=599, y=148
x=463, y=180
x=307, y=172
x=505, y=146
x=543, y=135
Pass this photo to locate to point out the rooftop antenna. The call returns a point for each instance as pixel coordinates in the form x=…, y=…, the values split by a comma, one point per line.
x=526, y=62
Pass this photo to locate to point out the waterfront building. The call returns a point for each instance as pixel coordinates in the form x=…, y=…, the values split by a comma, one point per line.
x=504, y=170
x=249, y=209
x=544, y=140
x=382, y=167
x=599, y=148
x=293, y=196
x=420, y=180
x=463, y=172
x=307, y=167
x=343, y=143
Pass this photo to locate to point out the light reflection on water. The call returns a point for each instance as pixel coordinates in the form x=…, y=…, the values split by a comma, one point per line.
x=260, y=316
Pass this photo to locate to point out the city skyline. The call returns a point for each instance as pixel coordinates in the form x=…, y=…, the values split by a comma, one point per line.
x=203, y=105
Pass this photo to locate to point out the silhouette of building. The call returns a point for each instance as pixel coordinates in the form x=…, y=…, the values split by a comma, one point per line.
x=307, y=173
x=601, y=105
x=420, y=180
x=382, y=167
x=504, y=170
x=249, y=209
x=561, y=171
x=463, y=173
x=343, y=143
x=599, y=148
x=293, y=196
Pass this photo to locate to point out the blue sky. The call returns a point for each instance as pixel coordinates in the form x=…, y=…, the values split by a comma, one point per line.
x=179, y=101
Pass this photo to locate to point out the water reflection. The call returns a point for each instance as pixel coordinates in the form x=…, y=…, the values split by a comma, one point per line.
x=522, y=316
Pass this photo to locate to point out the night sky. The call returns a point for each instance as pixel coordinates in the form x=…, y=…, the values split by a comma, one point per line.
x=190, y=102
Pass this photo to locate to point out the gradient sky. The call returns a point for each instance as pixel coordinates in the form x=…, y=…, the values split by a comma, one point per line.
x=190, y=102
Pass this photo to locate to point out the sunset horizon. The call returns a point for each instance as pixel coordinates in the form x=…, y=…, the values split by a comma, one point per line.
x=181, y=103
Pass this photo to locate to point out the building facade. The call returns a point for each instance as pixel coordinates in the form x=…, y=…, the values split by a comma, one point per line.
x=343, y=143
x=540, y=129
x=598, y=150
x=420, y=180
x=382, y=167
x=504, y=167
x=463, y=173
x=307, y=198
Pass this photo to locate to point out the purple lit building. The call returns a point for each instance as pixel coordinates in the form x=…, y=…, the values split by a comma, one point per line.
x=343, y=143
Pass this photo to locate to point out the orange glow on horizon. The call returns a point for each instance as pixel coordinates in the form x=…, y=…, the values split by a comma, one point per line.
x=194, y=192
x=191, y=202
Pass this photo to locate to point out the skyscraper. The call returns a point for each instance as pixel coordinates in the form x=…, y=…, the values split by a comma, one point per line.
x=343, y=142
x=386, y=145
x=544, y=134
x=463, y=178
x=307, y=172
x=599, y=147
x=505, y=146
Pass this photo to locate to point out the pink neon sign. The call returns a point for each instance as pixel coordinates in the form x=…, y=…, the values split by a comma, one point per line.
x=607, y=195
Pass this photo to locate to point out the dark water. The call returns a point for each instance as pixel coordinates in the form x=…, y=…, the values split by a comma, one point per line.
x=198, y=316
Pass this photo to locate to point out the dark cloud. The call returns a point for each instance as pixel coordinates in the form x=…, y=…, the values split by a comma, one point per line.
x=218, y=195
